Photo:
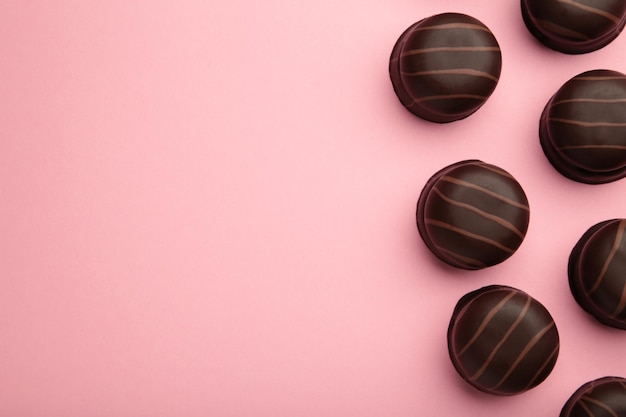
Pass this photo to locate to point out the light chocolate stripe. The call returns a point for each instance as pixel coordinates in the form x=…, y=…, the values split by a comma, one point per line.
x=471, y=235
x=460, y=71
x=453, y=26
x=559, y=30
x=616, y=147
x=584, y=407
x=504, y=338
x=616, y=243
x=592, y=10
x=484, y=190
x=621, y=305
x=622, y=384
x=466, y=259
x=486, y=321
x=586, y=124
x=448, y=97
x=589, y=100
x=411, y=52
x=523, y=353
x=542, y=367
x=599, y=404
x=493, y=169
x=502, y=222
x=599, y=78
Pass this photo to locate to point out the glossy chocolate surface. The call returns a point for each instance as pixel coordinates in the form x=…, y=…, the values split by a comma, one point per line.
x=443, y=68
x=574, y=26
x=601, y=397
x=502, y=341
x=583, y=127
x=472, y=215
x=597, y=272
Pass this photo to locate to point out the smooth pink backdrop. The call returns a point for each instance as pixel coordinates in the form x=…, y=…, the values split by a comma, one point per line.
x=207, y=209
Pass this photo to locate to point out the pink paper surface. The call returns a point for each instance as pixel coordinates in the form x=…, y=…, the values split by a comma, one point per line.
x=207, y=208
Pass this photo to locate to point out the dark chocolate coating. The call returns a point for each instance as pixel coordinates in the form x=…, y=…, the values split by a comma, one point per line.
x=472, y=215
x=597, y=272
x=583, y=127
x=443, y=68
x=574, y=26
x=601, y=397
x=502, y=341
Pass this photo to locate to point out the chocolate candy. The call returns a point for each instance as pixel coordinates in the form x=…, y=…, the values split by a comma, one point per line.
x=472, y=215
x=583, y=127
x=601, y=397
x=574, y=26
x=443, y=68
x=502, y=341
x=597, y=272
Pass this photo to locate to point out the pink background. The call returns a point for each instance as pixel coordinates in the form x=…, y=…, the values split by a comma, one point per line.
x=207, y=209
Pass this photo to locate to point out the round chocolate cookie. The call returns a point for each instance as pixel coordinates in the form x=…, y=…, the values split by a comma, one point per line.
x=583, y=127
x=597, y=272
x=574, y=26
x=502, y=341
x=443, y=68
x=601, y=397
x=472, y=215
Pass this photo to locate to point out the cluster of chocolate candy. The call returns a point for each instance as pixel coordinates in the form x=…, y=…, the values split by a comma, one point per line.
x=474, y=215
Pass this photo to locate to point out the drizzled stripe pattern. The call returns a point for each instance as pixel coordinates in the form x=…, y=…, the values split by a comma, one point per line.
x=502, y=341
x=444, y=68
x=474, y=215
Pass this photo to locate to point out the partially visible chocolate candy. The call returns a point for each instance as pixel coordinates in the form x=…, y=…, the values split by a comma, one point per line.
x=601, y=397
x=574, y=26
x=583, y=127
x=443, y=68
x=502, y=341
x=472, y=215
x=597, y=272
